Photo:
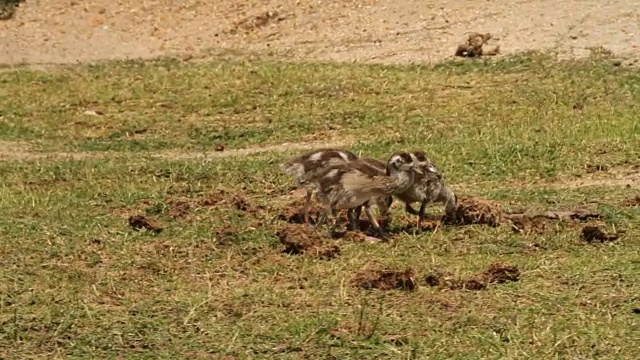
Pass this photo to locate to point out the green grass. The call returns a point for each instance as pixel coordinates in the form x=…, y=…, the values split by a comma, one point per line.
x=76, y=281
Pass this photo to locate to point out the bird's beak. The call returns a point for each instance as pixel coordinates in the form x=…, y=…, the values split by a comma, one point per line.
x=417, y=170
x=432, y=169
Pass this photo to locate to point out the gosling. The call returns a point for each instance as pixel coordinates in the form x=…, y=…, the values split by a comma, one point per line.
x=354, y=184
x=310, y=164
x=383, y=203
x=429, y=187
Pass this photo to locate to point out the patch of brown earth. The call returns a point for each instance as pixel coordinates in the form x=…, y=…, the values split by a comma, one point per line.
x=595, y=234
x=302, y=239
x=501, y=273
x=292, y=212
x=408, y=222
x=179, y=207
x=448, y=281
x=593, y=168
x=381, y=31
x=632, y=201
x=365, y=224
x=497, y=273
x=226, y=235
x=353, y=236
x=139, y=222
x=386, y=279
x=226, y=198
x=475, y=210
x=527, y=223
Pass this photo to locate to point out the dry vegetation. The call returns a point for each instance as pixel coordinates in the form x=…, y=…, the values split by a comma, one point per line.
x=532, y=267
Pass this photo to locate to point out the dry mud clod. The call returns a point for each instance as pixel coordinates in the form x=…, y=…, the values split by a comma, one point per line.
x=632, y=201
x=526, y=223
x=238, y=200
x=501, y=273
x=139, y=222
x=475, y=210
x=182, y=206
x=497, y=273
x=301, y=239
x=178, y=208
x=292, y=212
x=595, y=234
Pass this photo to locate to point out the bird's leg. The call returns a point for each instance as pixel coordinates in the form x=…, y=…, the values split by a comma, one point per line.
x=354, y=222
x=323, y=217
x=423, y=208
x=351, y=225
x=372, y=219
x=410, y=210
x=305, y=208
x=385, y=210
x=334, y=214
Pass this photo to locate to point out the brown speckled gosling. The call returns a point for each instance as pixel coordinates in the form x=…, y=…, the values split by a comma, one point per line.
x=310, y=164
x=429, y=187
x=354, y=184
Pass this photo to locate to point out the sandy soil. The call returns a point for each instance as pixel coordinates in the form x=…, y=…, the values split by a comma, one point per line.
x=383, y=31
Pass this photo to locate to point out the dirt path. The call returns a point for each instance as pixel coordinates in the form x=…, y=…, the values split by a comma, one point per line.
x=384, y=31
x=21, y=151
x=11, y=151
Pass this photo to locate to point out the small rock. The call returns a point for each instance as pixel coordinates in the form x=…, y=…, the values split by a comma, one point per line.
x=616, y=63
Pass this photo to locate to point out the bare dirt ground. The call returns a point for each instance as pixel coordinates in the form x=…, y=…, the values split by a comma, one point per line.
x=382, y=31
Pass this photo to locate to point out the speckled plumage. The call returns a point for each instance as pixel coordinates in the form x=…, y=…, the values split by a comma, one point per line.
x=428, y=187
x=312, y=163
x=354, y=184
x=384, y=203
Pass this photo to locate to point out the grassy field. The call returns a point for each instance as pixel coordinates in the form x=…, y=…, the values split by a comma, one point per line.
x=85, y=147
